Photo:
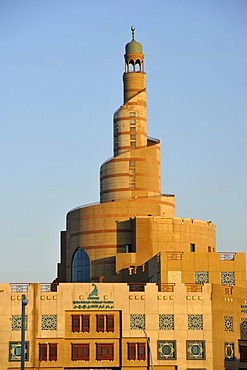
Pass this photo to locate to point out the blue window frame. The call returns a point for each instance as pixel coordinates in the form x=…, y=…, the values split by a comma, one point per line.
x=80, y=266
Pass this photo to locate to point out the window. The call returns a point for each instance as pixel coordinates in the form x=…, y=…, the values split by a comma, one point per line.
x=42, y=352
x=229, y=351
x=136, y=351
x=132, y=129
x=192, y=247
x=15, y=351
x=131, y=351
x=132, y=163
x=85, y=323
x=80, y=266
x=52, y=351
x=80, y=351
x=132, y=114
x=243, y=351
x=141, y=351
x=105, y=323
x=100, y=323
x=166, y=350
x=132, y=136
x=132, y=121
x=75, y=323
x=105, y=351
x=195, y=350
x=133, y=144
x=44, y=355
x=110, y=323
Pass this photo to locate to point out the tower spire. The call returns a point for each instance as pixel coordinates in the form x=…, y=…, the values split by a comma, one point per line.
x=133, y=32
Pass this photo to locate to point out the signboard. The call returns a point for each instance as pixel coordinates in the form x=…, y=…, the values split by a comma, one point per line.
x=93, y=302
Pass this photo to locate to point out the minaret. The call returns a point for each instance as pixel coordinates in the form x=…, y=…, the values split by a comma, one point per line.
x=134, y=171
x=134, y=78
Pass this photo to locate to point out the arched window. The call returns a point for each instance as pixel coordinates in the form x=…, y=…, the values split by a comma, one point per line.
x=80, y=266
x=138, y=66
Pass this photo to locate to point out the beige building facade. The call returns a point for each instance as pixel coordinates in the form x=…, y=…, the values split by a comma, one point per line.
x=137, y=286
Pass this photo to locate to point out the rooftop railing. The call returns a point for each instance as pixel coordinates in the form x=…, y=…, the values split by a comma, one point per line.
x=193, y=288
x=136, y=287
x=166, y=287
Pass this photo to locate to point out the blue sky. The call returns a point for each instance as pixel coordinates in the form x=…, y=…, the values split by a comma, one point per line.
x=61, y=65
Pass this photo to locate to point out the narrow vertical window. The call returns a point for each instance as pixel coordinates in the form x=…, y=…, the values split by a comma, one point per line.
x=110, y=323
x=192, y=247
x=42, y=352
x=131, y=351
x=86, y=323
x=75, y=323
x=100, y=323
x=53, y=351
x=141, y=351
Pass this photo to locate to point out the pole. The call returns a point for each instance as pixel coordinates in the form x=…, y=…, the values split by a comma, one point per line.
x=24, y=302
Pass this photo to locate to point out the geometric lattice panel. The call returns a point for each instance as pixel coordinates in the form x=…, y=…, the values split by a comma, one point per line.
x=166, y=322
x=228, y=323
x=174, y=277
x=137, y=321
x=166, y=349
x=201, y=277
x=244, y=326
x=229, y=351
x=195, y=322
x=195, y=350
x=227, y=278
x=16, y=322
x=49, y=322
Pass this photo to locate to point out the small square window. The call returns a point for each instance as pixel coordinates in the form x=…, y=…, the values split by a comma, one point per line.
x=132, y=163
x=166, y=349
x=15, y=351
x=132, y=129
x=133, y=137
x=132, y=121
x=132, y=114
x=133, y=144
x=195, y=350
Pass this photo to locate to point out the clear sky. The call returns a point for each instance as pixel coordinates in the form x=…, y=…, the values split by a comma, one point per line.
x=61, y=65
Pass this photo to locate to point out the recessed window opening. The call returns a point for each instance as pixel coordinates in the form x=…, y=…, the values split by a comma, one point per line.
x=192, y=247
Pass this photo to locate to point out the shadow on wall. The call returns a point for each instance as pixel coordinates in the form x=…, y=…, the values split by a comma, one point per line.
x=103, y=269
x=125, y=237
